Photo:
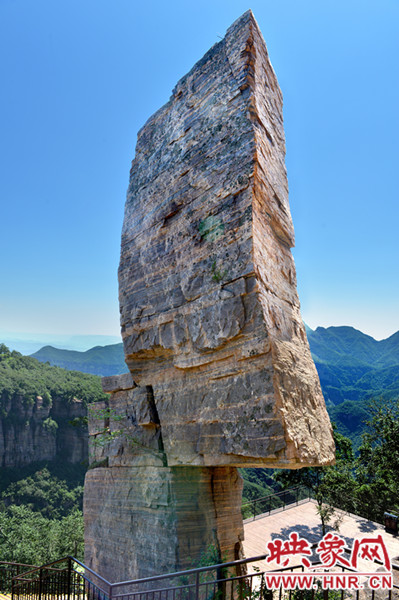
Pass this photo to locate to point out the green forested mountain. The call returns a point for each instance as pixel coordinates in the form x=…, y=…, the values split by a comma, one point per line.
x=338, y=344
x=44, y=498
x=43, y=412
x=100, y=360
x=41, y=515
x=43, y=457
x=354, y=369
x=27, y=378
x=353, y=366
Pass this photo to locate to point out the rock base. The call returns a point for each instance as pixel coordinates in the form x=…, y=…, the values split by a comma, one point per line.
x=155, y=520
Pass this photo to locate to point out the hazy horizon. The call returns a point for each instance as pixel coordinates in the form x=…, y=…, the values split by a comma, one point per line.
x=29, y=343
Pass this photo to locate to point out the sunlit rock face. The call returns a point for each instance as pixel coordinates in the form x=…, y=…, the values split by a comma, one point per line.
x=220, y=369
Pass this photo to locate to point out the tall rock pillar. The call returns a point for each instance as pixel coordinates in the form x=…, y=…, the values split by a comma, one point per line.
x=221, y=374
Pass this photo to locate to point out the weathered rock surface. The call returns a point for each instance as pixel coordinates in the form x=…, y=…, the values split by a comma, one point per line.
x=154, y=520
x=38, y=431
x=221, y=371
x=209, y=309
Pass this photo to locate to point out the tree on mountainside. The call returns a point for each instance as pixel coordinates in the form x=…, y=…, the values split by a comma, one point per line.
x=41, y=519
x=377, y=468
x=27, y=377
x=28, y=537
x=45, y=494
x=367, y=485
x=40, y=503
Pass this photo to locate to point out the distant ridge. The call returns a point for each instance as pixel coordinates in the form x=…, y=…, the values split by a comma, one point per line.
x=100, y=360
x=331, y=344
x=351, y=364
x=28, y=343
x=353, y=368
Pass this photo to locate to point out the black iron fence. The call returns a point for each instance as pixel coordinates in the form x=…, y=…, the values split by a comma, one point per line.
x=370, y=508
x=226, y=581
x=275, y=501
x=8, y=571
x=69, y=579
x=349, y=503
x=66, y=579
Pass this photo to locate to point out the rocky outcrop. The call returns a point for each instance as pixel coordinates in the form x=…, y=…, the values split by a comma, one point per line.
x=209, y=309
x=38, y=430
x=221, y=371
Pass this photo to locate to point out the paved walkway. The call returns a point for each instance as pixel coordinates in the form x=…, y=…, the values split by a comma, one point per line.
x=305, y=520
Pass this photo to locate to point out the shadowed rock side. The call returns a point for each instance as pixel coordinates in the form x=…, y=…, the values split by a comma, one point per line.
x=221, y=374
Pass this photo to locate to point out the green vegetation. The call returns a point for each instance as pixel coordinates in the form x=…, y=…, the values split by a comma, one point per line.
x=377, y=470
x=41, y=517
x=72, y=474
x=354, y=366
x=43, y=493
x=27, y=377
x=257, y=483
x=366, y=485
x=350, y=417
x=211, y=228
x=41, y=504
x=330, y=485
x=217, y=274
x=28, y=537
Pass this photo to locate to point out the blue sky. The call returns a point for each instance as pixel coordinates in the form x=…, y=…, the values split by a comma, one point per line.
x=79, y=79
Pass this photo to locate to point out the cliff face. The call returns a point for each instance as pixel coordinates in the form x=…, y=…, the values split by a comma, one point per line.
x=32, y=431
x=221, y=374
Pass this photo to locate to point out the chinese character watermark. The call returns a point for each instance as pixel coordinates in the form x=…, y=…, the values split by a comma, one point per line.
x=353, y=569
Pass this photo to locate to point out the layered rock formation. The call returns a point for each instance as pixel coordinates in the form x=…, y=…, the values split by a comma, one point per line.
x=38, y=430
x=221, y=371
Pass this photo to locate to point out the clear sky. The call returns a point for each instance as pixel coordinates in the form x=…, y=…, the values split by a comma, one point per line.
x=80, y=77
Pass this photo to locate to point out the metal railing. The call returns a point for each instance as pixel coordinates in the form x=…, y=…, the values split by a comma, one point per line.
x=275, y=501
x=222, y=581
x=8, y=571
x=66, y=578
x=69, y=579
x=293, y=496
x=318, y=593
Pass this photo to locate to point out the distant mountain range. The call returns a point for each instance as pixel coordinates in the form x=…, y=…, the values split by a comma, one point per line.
x=353, y=368
x=100, y=360
x=351, y=365
x=27, y=343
